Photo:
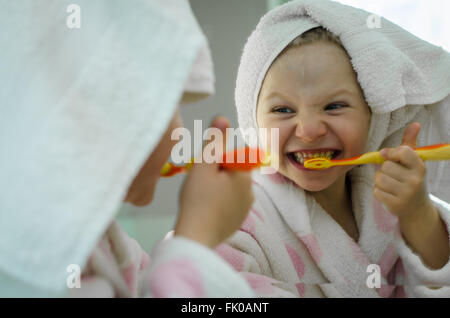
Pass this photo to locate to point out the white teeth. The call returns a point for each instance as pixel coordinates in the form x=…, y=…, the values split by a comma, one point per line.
x=301, y=157
x=298, y=156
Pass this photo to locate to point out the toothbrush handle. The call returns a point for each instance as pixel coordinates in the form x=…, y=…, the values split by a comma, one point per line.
x=434, y=152
x=373, y=157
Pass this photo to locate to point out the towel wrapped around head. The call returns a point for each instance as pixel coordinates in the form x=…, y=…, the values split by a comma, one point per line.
x=403, y=78
x=82, y=110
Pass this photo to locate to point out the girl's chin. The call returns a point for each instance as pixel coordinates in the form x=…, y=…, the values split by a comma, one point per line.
x=310, y=185
x=311, y=182
x=313, y=187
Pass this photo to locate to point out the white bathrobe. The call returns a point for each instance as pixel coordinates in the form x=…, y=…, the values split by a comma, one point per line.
x=290, y=247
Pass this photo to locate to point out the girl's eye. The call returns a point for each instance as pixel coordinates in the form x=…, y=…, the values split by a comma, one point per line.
x=335, y=106
x=284, y=110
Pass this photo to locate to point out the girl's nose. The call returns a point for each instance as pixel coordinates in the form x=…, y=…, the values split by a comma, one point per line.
x=309, y=129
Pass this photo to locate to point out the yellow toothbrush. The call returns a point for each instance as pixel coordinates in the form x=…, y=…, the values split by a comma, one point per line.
x=433, y=152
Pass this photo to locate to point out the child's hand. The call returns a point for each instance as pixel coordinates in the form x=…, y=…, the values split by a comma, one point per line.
x=400, y=182
x=213, y=202
x=400, y=186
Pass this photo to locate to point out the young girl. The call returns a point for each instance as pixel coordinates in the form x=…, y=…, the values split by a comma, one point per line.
x=334, y=87
x=99, y=134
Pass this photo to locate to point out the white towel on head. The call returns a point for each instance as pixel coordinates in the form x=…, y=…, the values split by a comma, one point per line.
x=81, y=111
x=200, y=82
x=403, y=78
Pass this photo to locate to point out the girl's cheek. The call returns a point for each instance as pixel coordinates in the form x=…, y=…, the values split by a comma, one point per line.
x=278, y=139
x=167, y=142
x=363, y=133
x=355, y=132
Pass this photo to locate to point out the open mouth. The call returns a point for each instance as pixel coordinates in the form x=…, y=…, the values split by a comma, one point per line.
x=301, y=156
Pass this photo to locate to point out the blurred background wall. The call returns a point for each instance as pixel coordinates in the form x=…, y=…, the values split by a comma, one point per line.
x=227, y=24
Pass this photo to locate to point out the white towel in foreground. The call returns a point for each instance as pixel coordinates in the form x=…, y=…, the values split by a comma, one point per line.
x=81, y=111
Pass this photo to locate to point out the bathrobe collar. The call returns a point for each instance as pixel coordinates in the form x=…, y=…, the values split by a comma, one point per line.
x=312, y=225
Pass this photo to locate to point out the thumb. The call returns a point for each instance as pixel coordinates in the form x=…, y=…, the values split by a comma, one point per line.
x=216, y=139
x=410, y=135
x=221, y=123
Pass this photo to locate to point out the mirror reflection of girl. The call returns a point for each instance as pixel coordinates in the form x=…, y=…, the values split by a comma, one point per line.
x=313, y=233
x=103, y=135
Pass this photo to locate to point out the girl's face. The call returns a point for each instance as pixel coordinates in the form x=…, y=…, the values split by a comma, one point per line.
x=141, y=191
x=311, y=94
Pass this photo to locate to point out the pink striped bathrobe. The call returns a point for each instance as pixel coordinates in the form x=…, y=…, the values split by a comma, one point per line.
x=119, y=267
x=290, y=247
